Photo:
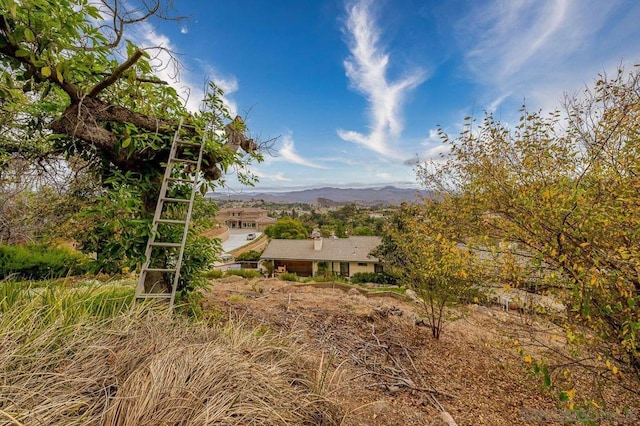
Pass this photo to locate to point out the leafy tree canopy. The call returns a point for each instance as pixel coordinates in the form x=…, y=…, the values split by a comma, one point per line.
x=66, y=91
x=287, y=228
x=251, y=255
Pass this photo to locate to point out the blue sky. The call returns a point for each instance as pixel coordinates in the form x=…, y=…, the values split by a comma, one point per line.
x=355, y=89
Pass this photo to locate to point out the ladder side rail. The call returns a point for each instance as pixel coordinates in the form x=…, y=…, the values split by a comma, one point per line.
x=196, y=179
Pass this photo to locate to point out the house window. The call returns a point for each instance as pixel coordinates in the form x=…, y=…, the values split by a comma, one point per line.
x=378, y=268
x=362, y=264
x=344, y=269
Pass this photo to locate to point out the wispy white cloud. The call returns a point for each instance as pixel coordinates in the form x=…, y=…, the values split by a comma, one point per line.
x=287, y=152
x=539, y=49
x=367, y=69
x=437, y=153
x=190, y=84
x=184, y=29
x=278, y=177
x=343, y=160
x=228, y=83
x=384, y=175
x=434, y=151
x=432, y=139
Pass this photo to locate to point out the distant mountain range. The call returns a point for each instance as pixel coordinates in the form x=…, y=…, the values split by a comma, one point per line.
x=389, y=195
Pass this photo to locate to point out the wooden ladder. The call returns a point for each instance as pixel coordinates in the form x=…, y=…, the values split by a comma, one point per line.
x=179, y=171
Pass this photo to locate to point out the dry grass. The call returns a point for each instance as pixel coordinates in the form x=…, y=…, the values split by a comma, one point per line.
x=69, y=362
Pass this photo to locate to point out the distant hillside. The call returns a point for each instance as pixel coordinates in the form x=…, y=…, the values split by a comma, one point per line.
x=389, y=195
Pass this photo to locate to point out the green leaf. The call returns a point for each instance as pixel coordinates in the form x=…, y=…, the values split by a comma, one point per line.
x=13, y=8
x=28, y=35
x=126, y=142
x=22, y=53
x=46, y=71
x=60, y=77
x=547, y=376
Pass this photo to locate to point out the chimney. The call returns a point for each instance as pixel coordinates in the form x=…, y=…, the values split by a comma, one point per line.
x=317, y=244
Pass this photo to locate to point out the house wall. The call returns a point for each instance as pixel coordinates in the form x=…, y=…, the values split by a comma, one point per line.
x=354, y=267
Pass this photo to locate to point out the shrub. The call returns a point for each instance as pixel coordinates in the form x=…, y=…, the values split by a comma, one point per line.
x=213, y=274
x=249, y=256
x=373, y=277
x=288, y=276
x=328, y=277
x=244, y=273
x=41, y=262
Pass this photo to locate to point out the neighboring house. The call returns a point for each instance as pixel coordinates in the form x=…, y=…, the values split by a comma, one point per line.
x=245, y=218
x=341, y=256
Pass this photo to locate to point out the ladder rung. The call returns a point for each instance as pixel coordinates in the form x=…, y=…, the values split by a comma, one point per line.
x=154, y=296
x=187, y=143
x=180, y=180
x=162, y=244
x=179, y=222
x=160, y=270
x=184, y=160
x=176, y=200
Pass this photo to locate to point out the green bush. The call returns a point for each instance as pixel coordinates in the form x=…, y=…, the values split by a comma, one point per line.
x=288, y=276
x=39, y=262
x=373, y=277
x=244, y=273
x=249, y=256
x=327, y=277
x=213, y=274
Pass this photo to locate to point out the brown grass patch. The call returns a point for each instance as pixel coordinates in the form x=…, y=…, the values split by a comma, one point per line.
x=151, y=369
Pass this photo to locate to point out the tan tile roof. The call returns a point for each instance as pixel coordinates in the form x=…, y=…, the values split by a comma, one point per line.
x=352, y=249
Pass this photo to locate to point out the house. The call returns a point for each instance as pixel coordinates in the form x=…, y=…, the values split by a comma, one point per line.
x=245, y=218
x=341, y=256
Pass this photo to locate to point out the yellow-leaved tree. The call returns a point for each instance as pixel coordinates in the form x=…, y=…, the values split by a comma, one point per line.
x=561, y=193
x=420, y=246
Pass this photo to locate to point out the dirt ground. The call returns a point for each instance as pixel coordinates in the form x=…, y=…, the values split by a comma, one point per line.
x=384, y=369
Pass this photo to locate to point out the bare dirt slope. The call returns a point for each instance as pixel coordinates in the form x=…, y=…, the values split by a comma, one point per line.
x=383, y=369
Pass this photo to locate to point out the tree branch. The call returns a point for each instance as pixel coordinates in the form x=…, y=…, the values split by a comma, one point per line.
x=108, y=81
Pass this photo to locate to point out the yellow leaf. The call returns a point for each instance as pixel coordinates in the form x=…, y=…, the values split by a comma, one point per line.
x=46, y=71
x=528, y=359
x=614, y=370
x=571, y=393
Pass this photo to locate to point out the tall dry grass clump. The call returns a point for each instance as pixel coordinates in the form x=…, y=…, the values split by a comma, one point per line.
x=82, y=357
